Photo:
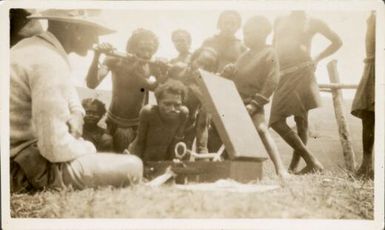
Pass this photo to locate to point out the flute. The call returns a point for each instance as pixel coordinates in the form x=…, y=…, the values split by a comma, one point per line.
x=163, y=65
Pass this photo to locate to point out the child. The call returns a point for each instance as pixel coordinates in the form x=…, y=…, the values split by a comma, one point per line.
x=363, y=103
x=197, y=125
x=131, y=81
x=182, y=43
x=161, y=126
x=256, y=75
x=95, y=110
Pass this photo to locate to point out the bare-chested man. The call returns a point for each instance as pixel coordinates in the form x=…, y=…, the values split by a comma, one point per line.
x=182, y=43
x=131, y=80
x=228, y=48
x=161, y=126
x=297, y=91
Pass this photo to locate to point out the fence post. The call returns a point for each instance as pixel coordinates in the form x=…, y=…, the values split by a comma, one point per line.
x=339, y=110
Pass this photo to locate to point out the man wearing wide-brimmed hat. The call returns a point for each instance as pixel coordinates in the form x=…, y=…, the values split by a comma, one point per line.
x=47, y=150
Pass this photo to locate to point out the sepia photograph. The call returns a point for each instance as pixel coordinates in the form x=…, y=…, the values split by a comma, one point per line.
x=192, y=115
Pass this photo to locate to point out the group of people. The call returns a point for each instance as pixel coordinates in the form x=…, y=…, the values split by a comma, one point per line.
x=53, y=135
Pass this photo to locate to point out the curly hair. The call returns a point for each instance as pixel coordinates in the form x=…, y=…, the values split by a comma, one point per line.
x=262, y=23
x=183, y=32
x=173, y=87
x=92, y=101
x=140, y=34
x=198, y=52
x=228, y=13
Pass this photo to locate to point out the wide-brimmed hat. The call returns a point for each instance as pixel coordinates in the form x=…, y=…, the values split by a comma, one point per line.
x=82, y=17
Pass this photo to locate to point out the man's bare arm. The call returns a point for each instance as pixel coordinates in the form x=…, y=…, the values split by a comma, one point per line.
x=336, y=43
x=96, y=72
x=138, y=145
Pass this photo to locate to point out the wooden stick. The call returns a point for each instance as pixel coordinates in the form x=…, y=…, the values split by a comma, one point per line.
x=325, y=90
x=339, y=111
x=338, y=86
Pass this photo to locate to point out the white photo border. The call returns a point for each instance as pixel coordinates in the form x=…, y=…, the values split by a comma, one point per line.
x=343, y=5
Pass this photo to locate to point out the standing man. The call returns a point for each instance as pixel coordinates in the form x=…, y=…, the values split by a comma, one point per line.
x=363, y=103
x=225, y=43
x=297, y=91
x=182, y=43
x=44, y=108
x=131, y=81
x=228, y=48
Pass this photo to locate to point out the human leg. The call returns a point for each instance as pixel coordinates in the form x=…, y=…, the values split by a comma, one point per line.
x=102, y=169
x=368, y=122
x=201, y=129
x=122, y=138
x=268, y=142
x=292, y=138
x=302, y=131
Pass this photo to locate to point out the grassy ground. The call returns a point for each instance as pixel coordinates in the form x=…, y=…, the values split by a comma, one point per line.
x=333, y=194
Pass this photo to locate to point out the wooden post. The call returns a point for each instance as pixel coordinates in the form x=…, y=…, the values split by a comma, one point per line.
x=339, y=110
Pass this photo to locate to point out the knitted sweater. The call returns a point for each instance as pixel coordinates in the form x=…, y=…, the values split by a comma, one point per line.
x=42, y=99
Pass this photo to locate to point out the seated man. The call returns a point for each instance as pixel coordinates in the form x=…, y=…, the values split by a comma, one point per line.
x=92, y=132
x=131, y=80
x=198, y=121
x=161, y=126
x=182, y=43
x=21, y=27
x=44, y=153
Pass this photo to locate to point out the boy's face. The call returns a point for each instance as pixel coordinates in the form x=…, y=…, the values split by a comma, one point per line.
x=181, y=42
x=205, y=61
x=169, y=106
x=251, y=35
x=92, y=116
x=145, y=48
x=229, y=25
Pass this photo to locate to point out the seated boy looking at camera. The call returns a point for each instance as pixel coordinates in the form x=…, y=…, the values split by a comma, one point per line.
x=161, y=126
x=95, y=110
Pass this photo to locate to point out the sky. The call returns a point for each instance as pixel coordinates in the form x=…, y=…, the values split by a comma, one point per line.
x=349, y=25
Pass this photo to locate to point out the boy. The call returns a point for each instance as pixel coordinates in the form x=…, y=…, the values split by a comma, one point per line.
x=198, y=122
x=131, y=81
x=161, y=126
x=256, y=75
x=95, y=111
x=182, y=43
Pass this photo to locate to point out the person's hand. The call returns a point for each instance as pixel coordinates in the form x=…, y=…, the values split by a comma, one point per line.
x=251, y=108
x=75, y=124
x=228, y=71
x=103, y=48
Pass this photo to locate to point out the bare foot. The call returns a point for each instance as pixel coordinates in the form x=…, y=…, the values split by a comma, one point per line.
x=292, y=170
x=311, y=169
x=284, y=175
x=365, y=172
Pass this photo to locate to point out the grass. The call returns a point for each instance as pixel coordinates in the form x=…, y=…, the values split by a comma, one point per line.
x=334, y=194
